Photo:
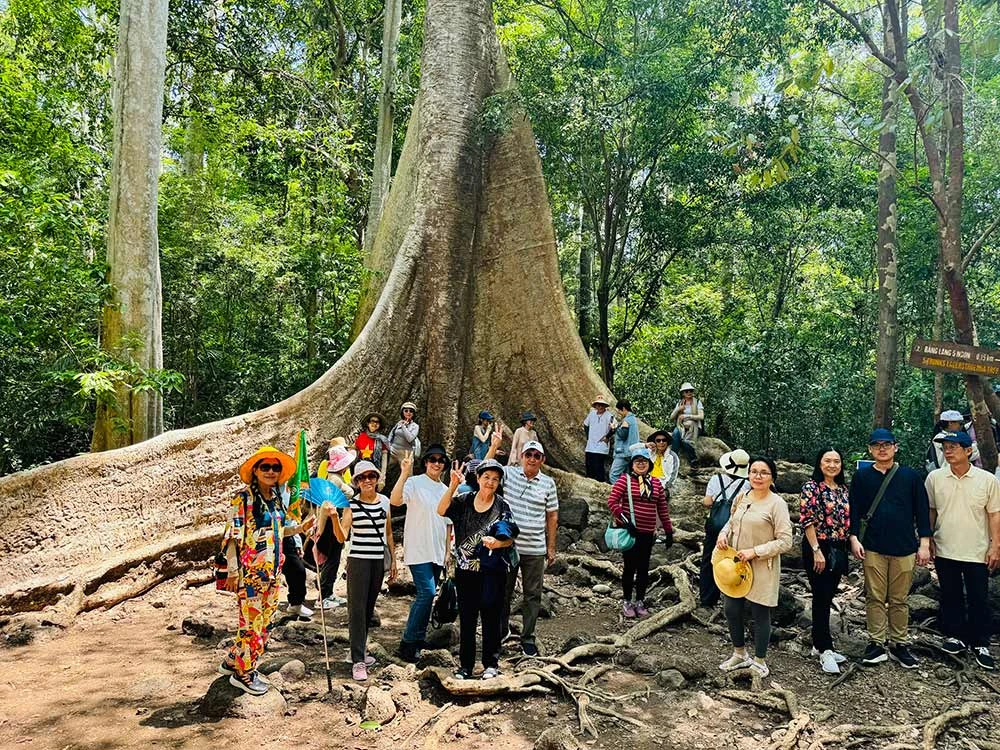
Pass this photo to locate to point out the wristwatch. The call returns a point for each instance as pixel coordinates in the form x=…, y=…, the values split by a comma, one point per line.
x=815, y=548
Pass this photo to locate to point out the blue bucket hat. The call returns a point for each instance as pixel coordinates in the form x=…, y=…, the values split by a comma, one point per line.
x=485, y=415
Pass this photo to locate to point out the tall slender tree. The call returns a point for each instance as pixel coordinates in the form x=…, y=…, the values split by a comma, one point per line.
x=131, y=327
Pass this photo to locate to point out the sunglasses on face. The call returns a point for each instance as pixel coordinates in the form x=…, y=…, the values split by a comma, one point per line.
x=660, y=440
x=533, y=455
x=368, y=477
x=405, y=411
x=434, y=460
x=270, y=467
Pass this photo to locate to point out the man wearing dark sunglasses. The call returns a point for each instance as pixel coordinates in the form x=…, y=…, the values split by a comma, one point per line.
x=534, y=505
x=426, y=539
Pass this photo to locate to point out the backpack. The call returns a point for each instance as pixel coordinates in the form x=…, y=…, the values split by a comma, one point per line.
x=445, y=609
x=718, y=514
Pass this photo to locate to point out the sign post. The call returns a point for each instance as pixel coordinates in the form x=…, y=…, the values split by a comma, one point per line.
x=945, y=356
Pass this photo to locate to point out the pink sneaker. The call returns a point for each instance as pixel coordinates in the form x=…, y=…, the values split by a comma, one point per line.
x=628, y=609
x=369, y=660
x=640, y=609
x=360, y=672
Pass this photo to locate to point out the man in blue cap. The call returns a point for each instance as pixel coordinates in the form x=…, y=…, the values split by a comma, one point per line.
x=887, y=501
x=965, y=515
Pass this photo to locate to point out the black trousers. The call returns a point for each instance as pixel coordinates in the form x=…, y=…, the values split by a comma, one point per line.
x=327, y=572
x=965, y=603
x=480, y=597
x=595, y=466
x=635, y=572
x=824, y=588
x=294, y=571
x=736, y=617
x=709, y=592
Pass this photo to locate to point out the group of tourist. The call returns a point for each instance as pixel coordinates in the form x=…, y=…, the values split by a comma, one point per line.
x=498, y=520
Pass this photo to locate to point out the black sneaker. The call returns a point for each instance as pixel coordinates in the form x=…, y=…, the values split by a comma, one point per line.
x=952, y=646
x=983, y=658
x=226, y=668
x=874, y=654
x=249, y=683
x=408, y=652
x=529, y=649
x=898, y=652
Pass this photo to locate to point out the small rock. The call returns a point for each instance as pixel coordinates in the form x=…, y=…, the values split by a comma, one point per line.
x=921, y=607
x=579, y=576
x=574, y=513
x=402, y=588
x=199, y=628
x=293, y=670
x=435, y=658
x=379, y=706
x=557, y=738
x=587, y=547
x=688, y=666
x=406, y=696
x=646, y=664
x=670, y=678
x=601, y=588
x=444, y=637
x=626, y=657
x=706, y=702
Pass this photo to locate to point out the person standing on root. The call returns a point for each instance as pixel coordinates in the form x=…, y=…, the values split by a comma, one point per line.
x=597, y=425
x=626, y=435
x=372, y=551
x=325, y=549
x=256, y=528
x=635, y=502
x=965, y=515
x=666, y=463
x=687, y=416
x=722, y=489
x=484, y=532
x=403, y=437
x=825, y=516
x=523, y=434
x=426, y=538
x=372, y=445
x=481, y=435
x=759, y=531
x=534, y=503
x=887, y=501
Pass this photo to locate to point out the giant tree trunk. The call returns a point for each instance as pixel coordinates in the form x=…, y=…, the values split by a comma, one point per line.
x=887, y=348
x=470, y=312
x=131, y=321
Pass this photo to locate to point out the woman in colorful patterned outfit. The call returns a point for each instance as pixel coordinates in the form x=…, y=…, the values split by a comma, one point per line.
x=825, y=515
x=256, y=526
x=635, y=502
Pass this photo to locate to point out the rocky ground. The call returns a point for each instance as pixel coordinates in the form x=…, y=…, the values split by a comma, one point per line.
x=141, y=674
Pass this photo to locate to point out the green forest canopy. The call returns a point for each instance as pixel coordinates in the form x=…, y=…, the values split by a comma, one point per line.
x=711, y=169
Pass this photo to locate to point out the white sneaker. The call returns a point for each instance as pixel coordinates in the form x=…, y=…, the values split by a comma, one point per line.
x=759, y=668
x=330, y=603
x=829, y=662
x=301, y=610
x=735, y=662
x=837, y=656
x=340, y=600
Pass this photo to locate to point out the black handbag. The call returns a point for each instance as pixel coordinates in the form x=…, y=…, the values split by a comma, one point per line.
x=718, y=514
x=445, y=607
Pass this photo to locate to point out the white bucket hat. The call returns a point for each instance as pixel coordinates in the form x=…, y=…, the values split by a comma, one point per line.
x=686, y=386
x=736, y=463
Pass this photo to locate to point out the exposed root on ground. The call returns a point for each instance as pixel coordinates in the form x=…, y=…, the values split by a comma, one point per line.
x=452, y=718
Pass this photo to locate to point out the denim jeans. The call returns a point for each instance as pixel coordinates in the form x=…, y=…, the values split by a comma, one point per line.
x=618, y=467
x=678, y=442
x=425, y=576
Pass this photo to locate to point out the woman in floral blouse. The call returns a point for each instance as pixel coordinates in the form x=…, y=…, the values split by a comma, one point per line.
x=825, y=516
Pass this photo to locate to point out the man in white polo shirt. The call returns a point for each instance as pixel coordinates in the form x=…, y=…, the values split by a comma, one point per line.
x=534, y=505
x=965, y=516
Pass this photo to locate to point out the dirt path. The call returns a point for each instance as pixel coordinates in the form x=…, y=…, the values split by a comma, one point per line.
x=130, y=678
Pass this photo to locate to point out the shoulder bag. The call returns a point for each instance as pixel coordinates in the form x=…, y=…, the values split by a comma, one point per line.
x=618, y=538
x=863, y=528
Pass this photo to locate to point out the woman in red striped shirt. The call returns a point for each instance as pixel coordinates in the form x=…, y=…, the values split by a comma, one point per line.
x=635, y=502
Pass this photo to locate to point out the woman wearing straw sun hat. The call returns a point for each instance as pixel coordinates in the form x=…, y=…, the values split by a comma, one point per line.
x=255, y=529
x=758, y=531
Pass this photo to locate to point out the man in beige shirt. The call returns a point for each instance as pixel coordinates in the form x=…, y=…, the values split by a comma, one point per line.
x=965, y=516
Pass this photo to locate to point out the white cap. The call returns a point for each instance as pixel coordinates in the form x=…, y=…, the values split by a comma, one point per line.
x=951, y=415
x=533, y=445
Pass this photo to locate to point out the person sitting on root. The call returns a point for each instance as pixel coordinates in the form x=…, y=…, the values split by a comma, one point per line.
x=484, y=533
x=758, y=532
x=481, y=435
x=372, y=551
x=687, y=416
x=635, y=501
x=426, y=540
x=523, y=434
x=403, y=437
x=825, y=516
x=372, y=445
x=666, y=463
x=255, y=530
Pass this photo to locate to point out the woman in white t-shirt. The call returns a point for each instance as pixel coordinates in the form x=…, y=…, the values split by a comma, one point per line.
x=372, y=550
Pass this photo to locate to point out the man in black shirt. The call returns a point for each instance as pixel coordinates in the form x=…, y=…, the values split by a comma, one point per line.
x=889, y=547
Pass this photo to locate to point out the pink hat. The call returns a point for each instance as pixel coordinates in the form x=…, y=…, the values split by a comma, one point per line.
x=339, y=458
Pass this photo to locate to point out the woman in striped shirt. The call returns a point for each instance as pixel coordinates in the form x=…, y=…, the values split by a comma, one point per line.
x=635, y=502
x=372, y=551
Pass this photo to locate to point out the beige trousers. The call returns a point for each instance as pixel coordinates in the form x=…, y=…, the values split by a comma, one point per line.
x=887, y=585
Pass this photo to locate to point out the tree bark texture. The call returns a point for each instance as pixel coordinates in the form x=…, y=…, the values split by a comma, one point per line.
x=887, y=346
x=131, y=320
x=382, y=167
x=469, y=313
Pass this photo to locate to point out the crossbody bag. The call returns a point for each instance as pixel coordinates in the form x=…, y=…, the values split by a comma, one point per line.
x=863, y=528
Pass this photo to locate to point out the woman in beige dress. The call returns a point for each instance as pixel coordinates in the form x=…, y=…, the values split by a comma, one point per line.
x=759, y=529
